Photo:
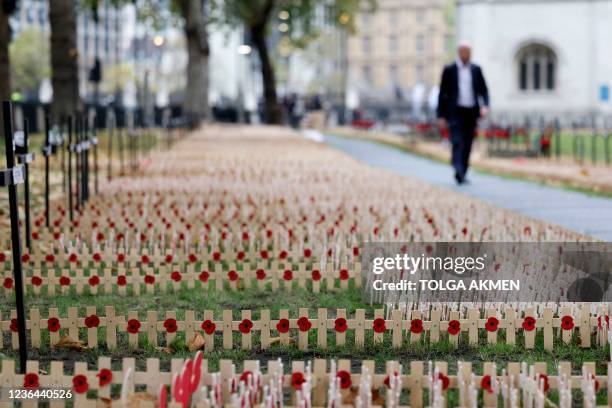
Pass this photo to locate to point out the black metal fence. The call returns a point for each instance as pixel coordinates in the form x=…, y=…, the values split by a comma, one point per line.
x=585, y=142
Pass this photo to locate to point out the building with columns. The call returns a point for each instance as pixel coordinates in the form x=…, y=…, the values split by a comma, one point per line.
x=542, y=57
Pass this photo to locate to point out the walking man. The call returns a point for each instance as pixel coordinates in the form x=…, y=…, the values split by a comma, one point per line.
x=463, y=99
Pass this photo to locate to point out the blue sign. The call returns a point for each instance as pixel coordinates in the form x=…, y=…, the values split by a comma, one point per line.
x=604, y=93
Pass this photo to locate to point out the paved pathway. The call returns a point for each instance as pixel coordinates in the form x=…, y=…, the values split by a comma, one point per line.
x=576, y=211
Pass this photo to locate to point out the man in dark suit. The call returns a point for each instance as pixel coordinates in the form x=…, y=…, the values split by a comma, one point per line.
x=463, y=99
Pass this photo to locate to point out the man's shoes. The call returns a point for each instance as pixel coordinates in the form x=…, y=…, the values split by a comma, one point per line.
x=459, y=178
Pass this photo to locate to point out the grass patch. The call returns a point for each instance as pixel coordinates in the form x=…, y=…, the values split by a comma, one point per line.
x=379, y=353
x=199, y=299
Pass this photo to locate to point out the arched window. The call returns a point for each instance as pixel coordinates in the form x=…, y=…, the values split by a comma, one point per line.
x=537, y=68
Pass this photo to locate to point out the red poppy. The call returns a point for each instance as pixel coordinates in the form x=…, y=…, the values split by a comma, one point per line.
x=92, y=321
x=149, y=279
x=492, y=324
x=50, y=258
x=105, y=376
x=79, y=382
x=282, y=326
x=245, y=326
x=169, y=258
x=345, y=379
x=307, y=253
x=487, y=383
x=145, y=259
x=31, y=380
x=454, y=327
x=119, y=237
x=244, y=377
x=340, y=325
x=445, y=381
x=544, y=379
x=8, y=283
x=355, y=251
x=176, y=276
x=287, y=275
x=120, y=258
x=282, y=255
x=193, y=258
x=35, y=235
x=121, y=280
x=170, y=325
x=232, y=276
x=93, y=280
x=2, y=257
x=567, y=322
x=596, y=383
x=416, y=326
x=304, y=324
x=263, y=254
x=344, y=274
x=387, y=381
x=297, y=379
x=53, y=324
x=316, y=275
x=133, y=326
x=600, y=323
x=36, y=280
x=25, y=258
x=204, y=275
x=529, y=323
x=261, y=274
x=245, y=236
x=14, y=325
x=217, y=256
x=379, y=325
x=73, y=258
x=97, y=257
x=64, y=281
x=208, y=326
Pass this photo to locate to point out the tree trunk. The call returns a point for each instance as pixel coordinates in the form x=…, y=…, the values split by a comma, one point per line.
x=195, y=105
x=272, y=108
x=64, y=58
x=5, y=69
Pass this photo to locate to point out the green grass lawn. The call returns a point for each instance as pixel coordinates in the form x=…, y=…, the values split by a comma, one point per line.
x=198, y=299
x=582, y=147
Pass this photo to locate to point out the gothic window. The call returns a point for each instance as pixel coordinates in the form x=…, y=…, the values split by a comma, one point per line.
x=537, y=68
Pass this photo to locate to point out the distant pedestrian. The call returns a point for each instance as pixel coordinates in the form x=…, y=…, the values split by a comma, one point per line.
x=463, y=98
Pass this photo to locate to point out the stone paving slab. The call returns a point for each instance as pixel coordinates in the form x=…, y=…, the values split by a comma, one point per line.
x=577, y=211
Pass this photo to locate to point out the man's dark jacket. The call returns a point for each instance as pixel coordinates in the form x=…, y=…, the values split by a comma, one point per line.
x=449, y=90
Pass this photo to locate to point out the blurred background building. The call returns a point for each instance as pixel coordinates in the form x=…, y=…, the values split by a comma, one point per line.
x=542, y=57
x=396, y=57
x=108, y=40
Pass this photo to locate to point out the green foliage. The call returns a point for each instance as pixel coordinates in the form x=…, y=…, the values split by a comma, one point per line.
x=297, y=18
x=30, y=60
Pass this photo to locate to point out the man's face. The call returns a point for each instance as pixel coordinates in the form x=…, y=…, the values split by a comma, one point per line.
x=464, y=54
